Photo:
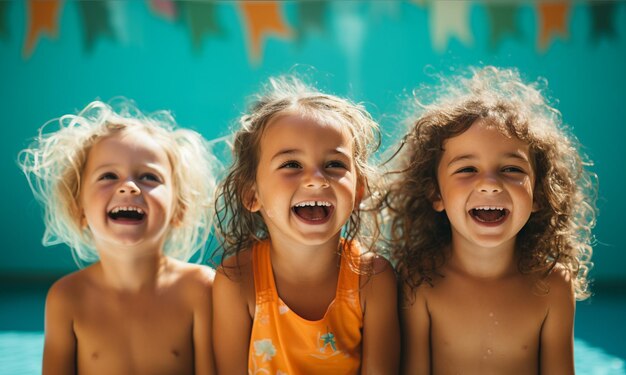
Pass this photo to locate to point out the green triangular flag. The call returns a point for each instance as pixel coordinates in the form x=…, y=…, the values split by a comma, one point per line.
x=4, y=26
x=602, y=19
x=201, y=18
x=310, y=17
x=502, y=19
x=96, y=21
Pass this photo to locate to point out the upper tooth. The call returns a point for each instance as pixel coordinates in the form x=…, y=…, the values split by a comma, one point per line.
x=128, y=208
x=489, y=208
x=313, y=203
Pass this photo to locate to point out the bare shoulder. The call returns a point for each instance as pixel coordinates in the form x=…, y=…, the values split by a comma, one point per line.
x=237, y=268
x=559, y=284
x=70, y=288
x=192, y=279
x=377, y=278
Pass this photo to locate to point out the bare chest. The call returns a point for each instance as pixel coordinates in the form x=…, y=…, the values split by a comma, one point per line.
x=486, y=329
x=134, y=335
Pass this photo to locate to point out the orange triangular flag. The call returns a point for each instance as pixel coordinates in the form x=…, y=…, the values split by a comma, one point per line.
x=553, y=21
x=261, y=18
x=43, y=17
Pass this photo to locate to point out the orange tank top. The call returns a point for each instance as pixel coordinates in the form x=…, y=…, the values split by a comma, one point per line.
x=284, y=343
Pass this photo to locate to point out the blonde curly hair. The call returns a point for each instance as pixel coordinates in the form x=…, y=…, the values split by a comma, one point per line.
x=237, y=226
x=54, y=163
x=559, y=233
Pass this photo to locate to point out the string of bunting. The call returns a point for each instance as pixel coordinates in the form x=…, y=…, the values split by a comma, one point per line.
x=263, y=19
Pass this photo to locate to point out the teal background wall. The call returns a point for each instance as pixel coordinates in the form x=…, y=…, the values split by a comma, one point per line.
x=374, y=52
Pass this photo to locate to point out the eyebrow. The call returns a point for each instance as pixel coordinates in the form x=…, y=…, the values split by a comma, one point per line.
x=294, y=151
x=508, y=155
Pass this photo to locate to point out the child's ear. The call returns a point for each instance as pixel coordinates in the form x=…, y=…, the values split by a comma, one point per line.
x=536, y=206
x=360, y=192
x=438, y=203
x=251, y=200
x=179, y=215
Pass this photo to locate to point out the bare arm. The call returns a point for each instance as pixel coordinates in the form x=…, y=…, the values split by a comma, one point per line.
x=59, y=353
x=557, y=346
x=232, y=325
x=202, y=343
x=381, y=329
x=416, y=333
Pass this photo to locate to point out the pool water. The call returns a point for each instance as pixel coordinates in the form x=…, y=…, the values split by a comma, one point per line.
x=599, y=345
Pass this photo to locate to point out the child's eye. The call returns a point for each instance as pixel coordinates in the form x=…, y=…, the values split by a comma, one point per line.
x=150, y=177
x=290, y=164
x=513, y=169
x=107, y=176
x=466, y=170
x=336, y=164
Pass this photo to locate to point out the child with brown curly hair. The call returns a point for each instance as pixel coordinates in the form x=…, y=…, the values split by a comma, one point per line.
x=490, y=212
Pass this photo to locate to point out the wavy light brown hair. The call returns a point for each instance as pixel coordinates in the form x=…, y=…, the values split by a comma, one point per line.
x=559, y=233
x=237, y=227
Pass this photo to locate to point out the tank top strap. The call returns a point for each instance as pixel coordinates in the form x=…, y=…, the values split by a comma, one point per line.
x=263, y=275
x=348, y=284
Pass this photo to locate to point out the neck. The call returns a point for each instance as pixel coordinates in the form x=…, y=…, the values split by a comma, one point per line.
x=133, y=274
x=482, y=262
x=307, y=262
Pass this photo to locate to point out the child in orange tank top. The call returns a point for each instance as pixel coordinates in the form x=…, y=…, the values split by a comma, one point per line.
x=292, y=296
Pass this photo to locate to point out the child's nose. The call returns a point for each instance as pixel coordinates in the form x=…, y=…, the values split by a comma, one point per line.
x=129, y=187
x=316, y=179
x=489, y=184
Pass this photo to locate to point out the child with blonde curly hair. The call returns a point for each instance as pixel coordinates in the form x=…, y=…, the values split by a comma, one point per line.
x=292, y=296
x=490, y=214
x=131, y=193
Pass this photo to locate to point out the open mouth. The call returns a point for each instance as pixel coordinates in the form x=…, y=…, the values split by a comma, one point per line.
x=127, y=214
x=313, y=211
x=489, y=214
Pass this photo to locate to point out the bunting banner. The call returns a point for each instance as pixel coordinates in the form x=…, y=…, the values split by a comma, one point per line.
x=43, y=16
x=552, y=21
x=96, y=21
x=164, y=8
x=201, y=18
x=502, y=17
x=447, y=20
x=311, y=17
x=450, y=19
x=262, y=18
x=602, y=19
x=4, y=27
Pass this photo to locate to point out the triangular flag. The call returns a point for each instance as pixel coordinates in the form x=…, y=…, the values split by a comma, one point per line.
x=502, y=19
x=602, y=19
x=201, y=18
x=311, y=16
x=553, y=21
x=262, y=18
x=4, y=27
x=350, y=29
x=118, y=16
x=164, y=8
x=43, y=17
x=96, y=21
x=447, y=19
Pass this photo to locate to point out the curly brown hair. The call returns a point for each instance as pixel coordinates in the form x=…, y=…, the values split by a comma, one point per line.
x=559, y=233
x=237, y=227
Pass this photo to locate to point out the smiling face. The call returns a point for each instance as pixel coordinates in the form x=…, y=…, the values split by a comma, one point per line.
x=486, y=184
x=127, y=196
x=306, y=180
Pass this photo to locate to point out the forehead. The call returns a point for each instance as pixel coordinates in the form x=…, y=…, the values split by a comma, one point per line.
x=128, y=146
x=298, y=131
x=483, y=139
